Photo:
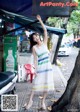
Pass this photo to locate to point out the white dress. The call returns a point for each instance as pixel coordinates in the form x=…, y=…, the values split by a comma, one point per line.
x=44, y=79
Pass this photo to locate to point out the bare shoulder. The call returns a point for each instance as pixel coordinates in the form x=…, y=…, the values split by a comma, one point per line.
x=33, y=48
x=34, y=51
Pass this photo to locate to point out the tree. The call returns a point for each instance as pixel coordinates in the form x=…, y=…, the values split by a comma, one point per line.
x=55, y=21
x=70, y=100
x=74, y=23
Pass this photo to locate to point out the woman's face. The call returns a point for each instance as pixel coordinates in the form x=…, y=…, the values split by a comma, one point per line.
x=36, y=37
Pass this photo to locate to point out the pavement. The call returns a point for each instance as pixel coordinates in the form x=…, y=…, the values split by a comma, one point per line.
x=61, y=76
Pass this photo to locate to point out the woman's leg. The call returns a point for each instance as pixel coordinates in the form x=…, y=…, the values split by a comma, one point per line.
x=27, y=106
x=43, y=100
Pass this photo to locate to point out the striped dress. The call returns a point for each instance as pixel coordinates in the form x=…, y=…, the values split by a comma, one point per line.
x=44, y=79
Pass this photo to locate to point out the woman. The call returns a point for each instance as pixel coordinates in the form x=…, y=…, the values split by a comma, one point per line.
x=43, y=81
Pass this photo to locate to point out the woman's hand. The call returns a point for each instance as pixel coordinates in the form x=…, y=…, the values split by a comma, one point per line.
x=38, y=17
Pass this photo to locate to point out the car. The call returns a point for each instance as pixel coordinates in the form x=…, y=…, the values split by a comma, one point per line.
x=64, y=50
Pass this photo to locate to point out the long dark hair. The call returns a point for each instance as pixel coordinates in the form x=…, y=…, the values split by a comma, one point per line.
x=32, y=42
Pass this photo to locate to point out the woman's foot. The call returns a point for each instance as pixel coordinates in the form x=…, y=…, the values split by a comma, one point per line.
x=27, y=106
x=43, y=106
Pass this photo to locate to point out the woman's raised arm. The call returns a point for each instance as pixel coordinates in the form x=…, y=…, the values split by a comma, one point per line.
x=44, y=29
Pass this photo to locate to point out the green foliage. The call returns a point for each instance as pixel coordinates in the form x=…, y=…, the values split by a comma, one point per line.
x=73, y=24
x=55, y=21
x=52, y=21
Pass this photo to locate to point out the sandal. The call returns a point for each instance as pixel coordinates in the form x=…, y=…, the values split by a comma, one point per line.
x=44, y=107
x=27, y=106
